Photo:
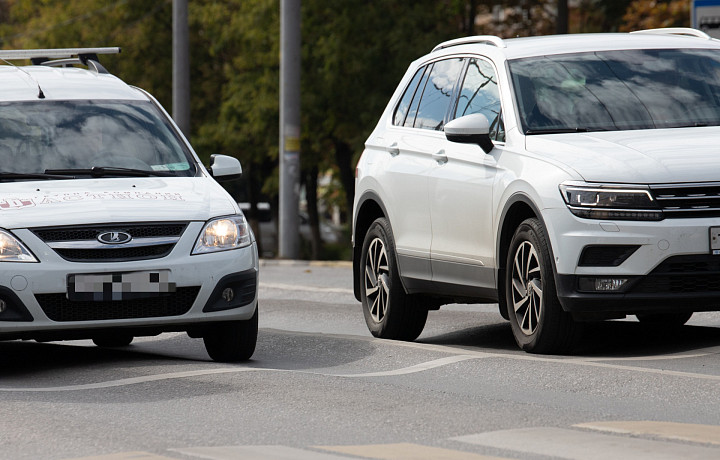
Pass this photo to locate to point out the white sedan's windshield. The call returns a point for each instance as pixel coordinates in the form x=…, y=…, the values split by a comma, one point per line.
x=41, y=136
x=618, y=90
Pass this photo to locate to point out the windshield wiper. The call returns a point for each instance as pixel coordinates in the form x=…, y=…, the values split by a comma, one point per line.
x=101, y=171
x=557, y=130
x=39, y=176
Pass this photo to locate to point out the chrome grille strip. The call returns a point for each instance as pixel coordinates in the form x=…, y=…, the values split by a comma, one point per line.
x=93, y=244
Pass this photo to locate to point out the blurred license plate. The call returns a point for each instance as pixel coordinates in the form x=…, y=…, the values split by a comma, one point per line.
x=715, y=241
x=102, y=287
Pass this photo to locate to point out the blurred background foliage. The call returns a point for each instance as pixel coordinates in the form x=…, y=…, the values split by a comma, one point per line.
x=353, y=54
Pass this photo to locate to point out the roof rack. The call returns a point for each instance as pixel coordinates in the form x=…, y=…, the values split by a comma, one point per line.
x=483, y=39
x=61, y=56
x=674, y=31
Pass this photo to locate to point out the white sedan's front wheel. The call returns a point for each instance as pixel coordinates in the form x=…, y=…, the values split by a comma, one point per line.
x=232, y=341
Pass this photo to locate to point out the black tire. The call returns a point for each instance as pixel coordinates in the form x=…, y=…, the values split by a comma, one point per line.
x=664, y=319
x=390, y=313
x=539, y=323
x=232, y=341
x=113, y=340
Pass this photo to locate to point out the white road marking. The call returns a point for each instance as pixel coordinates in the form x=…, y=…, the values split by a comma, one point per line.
x=416, y=368
x=581, y=445
x=233, y=370
x=460, y=354
x=256, y=453
x=125, y=456
x=522, y=356
x=692, y=432
x=406, y=451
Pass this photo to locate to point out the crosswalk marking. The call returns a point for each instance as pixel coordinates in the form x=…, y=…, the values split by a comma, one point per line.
x=709, y=434
x=256, y=453
x=576, y=444
x=618, y=440
x=126, y=456
x=406, y=451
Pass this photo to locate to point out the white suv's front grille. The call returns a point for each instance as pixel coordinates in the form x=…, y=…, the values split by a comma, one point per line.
x=688, y=200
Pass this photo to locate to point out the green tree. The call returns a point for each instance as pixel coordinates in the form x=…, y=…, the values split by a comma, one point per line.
x=651, y=14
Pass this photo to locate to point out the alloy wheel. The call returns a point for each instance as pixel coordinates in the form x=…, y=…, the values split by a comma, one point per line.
x=377, y=275
x=527, y=295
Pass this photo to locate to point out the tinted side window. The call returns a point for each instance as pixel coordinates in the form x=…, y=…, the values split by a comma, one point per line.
x=401, y=110
x=437, y=94
x=480, y=94
x=412, y=113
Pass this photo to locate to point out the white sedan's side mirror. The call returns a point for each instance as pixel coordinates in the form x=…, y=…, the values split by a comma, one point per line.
x=224, y=168
x=470, y=129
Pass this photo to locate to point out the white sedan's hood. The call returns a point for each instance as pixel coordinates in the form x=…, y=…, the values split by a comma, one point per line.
x=108, y=200
x=642, y=156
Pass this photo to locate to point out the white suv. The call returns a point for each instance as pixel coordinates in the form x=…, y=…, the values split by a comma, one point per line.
x=110, y=227
x=568, y=178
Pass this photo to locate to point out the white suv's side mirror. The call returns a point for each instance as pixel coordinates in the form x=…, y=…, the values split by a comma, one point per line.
x=224, y=168
x=470, y=129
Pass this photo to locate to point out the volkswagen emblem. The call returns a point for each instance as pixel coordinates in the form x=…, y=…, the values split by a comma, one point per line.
x=114, y=237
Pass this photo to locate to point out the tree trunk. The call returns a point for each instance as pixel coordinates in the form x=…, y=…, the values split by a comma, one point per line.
x=561, y=26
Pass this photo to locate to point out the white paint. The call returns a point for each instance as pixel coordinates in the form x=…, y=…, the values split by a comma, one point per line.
x=581, y=445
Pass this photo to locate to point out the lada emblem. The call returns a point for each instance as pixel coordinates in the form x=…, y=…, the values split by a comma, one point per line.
x=114, y=237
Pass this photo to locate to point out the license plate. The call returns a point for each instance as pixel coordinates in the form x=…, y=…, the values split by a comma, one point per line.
x=715, y=241
x=102, y=287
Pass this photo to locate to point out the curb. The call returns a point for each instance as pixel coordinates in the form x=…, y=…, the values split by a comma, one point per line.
x=305, y=263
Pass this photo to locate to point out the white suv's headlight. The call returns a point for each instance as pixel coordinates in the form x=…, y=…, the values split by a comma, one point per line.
x=223, y=234
x=12, y=250
x=610, y=202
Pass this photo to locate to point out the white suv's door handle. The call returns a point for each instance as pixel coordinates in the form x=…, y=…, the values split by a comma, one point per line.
x=393, y=149
x=440, y=157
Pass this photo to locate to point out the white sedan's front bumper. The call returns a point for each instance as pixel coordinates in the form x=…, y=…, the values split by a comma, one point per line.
x=47, y=282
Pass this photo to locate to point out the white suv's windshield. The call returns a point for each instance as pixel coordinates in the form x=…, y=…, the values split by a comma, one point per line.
x=618, y=90
x=69, y=137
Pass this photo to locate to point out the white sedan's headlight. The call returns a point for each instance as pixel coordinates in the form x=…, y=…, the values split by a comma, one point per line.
x=223, y=234
x=12, y=250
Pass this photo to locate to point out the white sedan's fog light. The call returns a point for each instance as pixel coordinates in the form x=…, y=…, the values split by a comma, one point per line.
x=228, y=294
x=223, y=234
x=602, y=284
x=12, y=250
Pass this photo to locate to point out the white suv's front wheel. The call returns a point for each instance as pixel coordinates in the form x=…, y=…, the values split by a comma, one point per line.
x=538, y=321
x=388, y=309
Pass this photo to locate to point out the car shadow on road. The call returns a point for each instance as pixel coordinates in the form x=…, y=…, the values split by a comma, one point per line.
x=607, y=339
x=19, y=359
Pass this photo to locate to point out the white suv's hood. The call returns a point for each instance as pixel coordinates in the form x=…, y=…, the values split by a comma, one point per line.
x=84, y=201
x=642, y=156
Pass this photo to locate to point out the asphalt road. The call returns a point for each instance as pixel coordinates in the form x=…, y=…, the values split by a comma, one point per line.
x=321, y=387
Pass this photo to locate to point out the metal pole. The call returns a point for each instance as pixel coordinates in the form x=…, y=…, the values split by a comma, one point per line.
x=181, y=67
x=289, y=244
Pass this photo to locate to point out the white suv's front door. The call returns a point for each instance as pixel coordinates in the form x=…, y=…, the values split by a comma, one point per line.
x=461, y=185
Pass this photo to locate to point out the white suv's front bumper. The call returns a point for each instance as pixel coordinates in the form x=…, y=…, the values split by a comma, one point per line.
x=672, y=267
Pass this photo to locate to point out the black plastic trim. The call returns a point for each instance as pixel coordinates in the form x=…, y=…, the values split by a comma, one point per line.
x=15, y=309
x=243, y=283
x=630, y=303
